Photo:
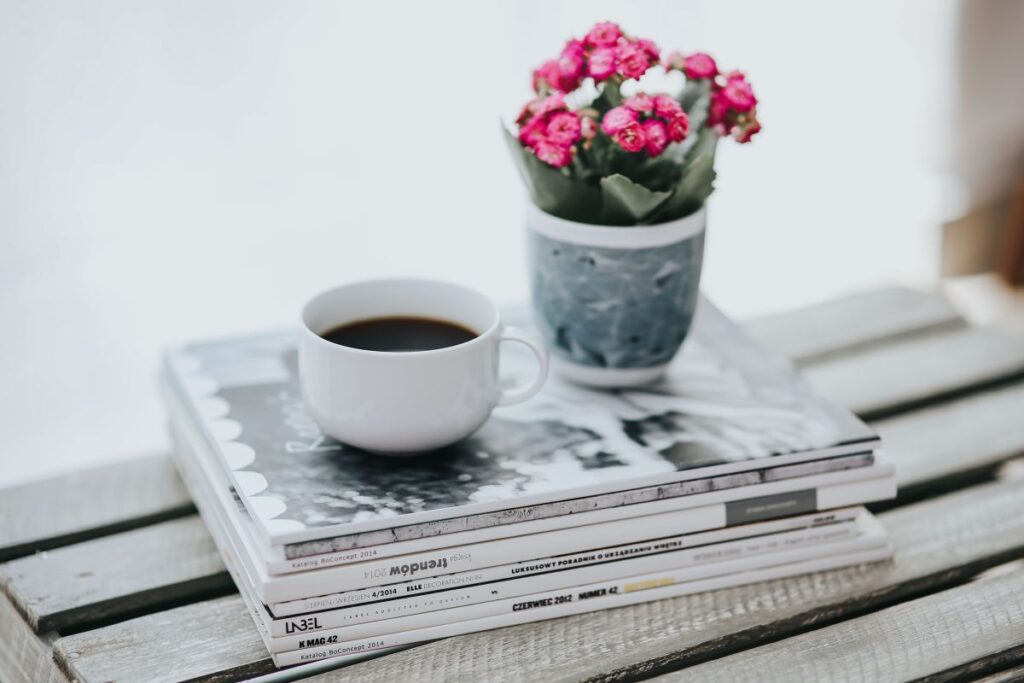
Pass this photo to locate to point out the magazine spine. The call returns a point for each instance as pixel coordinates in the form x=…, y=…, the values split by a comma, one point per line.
x=702, y=560
x=677, y=541
x=674, y=491
x=714, y=514
x=570, y=602
x=783, y=468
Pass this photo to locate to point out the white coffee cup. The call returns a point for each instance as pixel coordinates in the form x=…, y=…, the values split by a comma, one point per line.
x=397, y=402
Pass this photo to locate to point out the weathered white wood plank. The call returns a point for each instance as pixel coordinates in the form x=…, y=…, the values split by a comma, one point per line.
x=1014, y=673
x=24, y=656
x=972, y=624
x=116, y=575
x=855, y=322
x=210, y=640
x=953, y=441
x=88, y=504
x=921, y=370
x=940, y=542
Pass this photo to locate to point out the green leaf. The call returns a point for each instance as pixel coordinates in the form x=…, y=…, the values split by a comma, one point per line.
x=696, y=186
x=696, y=183
x=592, y=160
x=609, y=97
x=693, y=93
x=704, y=143
x=554, y=190
x=628, y=203
x=660, y=173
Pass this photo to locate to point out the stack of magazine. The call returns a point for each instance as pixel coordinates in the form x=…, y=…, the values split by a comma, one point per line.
x=729, y=471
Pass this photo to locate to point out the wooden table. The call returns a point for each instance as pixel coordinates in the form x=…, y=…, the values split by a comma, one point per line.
x=108, y=574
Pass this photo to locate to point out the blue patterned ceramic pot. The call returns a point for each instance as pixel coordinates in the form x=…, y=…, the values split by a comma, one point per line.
x=614, y=303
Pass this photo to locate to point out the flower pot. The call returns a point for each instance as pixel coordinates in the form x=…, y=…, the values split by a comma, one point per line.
x=614, y=304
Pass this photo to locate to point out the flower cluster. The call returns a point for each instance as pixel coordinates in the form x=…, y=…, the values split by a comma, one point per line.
x=733, y=108
x=549, y=129
x=646, y=122
x=594, y=148
x=641, y=123
x=605, y=52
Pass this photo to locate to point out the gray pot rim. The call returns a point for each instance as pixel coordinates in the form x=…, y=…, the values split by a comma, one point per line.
x=615, y=237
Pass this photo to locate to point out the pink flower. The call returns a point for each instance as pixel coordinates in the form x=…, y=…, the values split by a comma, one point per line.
x=699, y=65
x=656, y=137
x=601, y=64
x=533, y=132
x=666, y=107
x=737, y=93
x=718, y=110
x=631, y=137
x=574, y=49
x=546, y=76
x=743, y=134
x=536, y=117
x=545, y=105
x=552, y=154
x=733, y=107
x=650, y=49
x=603, y=34
x=563, y=74
x=525, y=114
x=541, y=106
x=570, y=66
x=678, y=127
x=640, y=102
x=588, y=128
x=616, y=119
x=632, y=60
x=563, y=128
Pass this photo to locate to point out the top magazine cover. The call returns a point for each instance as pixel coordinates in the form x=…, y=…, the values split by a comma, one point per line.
x=726, y=405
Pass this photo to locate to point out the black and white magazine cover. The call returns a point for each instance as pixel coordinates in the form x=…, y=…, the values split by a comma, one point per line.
x=726, y=405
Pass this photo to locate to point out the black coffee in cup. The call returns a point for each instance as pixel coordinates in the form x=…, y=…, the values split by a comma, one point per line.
x=400, y=403
x=399, y=334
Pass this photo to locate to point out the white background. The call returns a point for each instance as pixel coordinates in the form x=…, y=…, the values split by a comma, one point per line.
x=181, y=169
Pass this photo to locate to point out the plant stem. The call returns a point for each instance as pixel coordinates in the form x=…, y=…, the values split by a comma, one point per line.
x=612, y=92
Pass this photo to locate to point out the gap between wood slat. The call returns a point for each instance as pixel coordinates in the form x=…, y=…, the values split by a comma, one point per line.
x=90, y=504
x=971, y=671
x=912, y=374
x=971, y=629
x=857, y=322
x=117, y=577
x=950, y=446
x=1013, y=673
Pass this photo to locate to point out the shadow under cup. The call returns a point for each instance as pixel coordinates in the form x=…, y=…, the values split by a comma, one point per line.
x=407, y=401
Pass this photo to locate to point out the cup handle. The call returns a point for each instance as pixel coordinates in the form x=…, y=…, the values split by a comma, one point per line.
x=519, y=394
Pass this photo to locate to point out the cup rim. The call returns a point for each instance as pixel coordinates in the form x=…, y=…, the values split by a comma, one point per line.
x=613, y=236
x=405, y=281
